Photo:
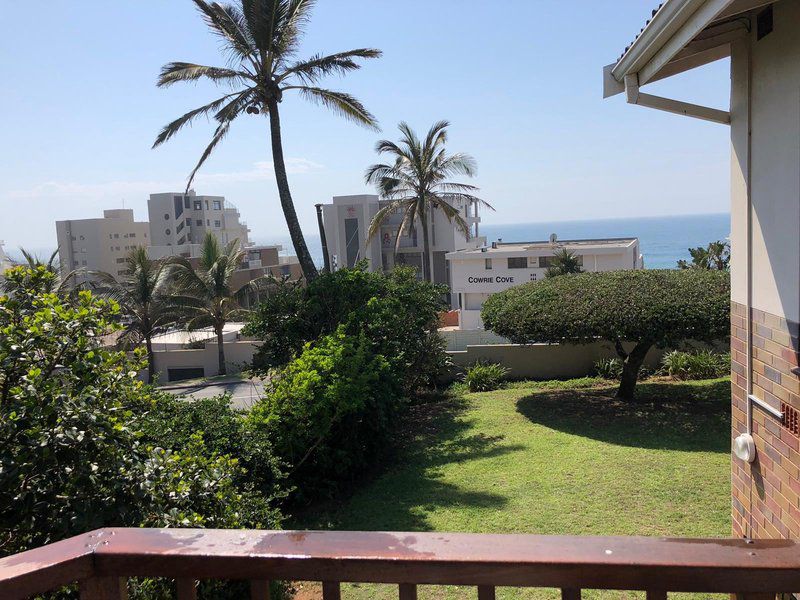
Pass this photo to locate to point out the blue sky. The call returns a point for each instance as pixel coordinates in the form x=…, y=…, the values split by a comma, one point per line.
x=520, y=80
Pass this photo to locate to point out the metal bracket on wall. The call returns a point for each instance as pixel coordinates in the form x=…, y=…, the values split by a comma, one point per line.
x=766, y=407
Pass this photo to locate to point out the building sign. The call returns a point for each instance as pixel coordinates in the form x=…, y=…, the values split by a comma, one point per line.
x=498, y=279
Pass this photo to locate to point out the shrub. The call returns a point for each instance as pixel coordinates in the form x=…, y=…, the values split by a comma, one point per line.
x=72, y=457
x=703, y=364
x=329, y=412
x=484, y=377
x=398, y=314
x=609, y=368
x=644, y=308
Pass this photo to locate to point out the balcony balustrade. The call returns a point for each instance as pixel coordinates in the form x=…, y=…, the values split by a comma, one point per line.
x=100, y=562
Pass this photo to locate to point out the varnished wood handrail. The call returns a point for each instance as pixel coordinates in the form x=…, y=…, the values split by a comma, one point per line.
x=408, y=559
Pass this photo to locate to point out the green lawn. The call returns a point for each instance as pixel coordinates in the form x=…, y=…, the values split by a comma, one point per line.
x=552, y=459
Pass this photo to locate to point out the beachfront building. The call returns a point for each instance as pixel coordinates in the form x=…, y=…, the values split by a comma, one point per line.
x=478, y=273
x=100, y=244
x=347, y=219
x=5, y=262
x=178, y=219
x=764, y=48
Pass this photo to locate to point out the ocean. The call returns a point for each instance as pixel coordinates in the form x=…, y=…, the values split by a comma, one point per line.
x=664, y=240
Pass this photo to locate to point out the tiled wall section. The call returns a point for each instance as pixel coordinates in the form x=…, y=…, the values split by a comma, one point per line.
x=766, y=493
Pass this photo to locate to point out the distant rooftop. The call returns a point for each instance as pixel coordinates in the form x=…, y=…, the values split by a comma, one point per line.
x=583, y=244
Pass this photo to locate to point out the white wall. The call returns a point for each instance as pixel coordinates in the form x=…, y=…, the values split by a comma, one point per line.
x=775, y=165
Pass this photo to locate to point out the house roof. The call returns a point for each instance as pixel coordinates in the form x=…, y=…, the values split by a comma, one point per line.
x=600, y=246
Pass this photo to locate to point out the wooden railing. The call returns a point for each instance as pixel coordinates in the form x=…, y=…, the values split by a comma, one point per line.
x=101, y=561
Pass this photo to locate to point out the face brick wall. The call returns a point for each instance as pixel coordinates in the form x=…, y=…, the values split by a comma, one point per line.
x=766, y=492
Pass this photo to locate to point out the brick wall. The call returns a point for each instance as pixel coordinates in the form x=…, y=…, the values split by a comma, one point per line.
x=766, y=492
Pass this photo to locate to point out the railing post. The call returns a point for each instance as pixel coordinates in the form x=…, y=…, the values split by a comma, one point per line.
x=570, y=594
x=187, y=589
x=104, y=588
x=486, y=592
x=331, y=590
x=259, y=589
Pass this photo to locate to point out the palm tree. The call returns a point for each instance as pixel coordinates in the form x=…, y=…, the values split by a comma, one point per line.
x=144, y=297
x=260, y=39
x=417, y=183
x=205, y=293
x=564, y=262
x=62, y=284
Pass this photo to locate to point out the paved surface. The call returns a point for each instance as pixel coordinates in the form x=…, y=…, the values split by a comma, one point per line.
x=244, y=392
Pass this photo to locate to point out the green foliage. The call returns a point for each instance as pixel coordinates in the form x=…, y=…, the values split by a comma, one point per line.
x=703, y=364
x=716, y=256
x=564, y=262
x=395, y=311
x=645, y=307
x=608, y=368
x=73, y=457
x=330, y=411
x=485, y=377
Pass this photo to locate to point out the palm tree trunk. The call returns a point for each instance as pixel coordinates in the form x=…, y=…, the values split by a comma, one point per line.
x=151, y=359
x=298, y=241
x=220, y=350
x=427, y=269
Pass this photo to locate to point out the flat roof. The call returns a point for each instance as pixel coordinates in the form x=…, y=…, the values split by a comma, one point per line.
x=583, y=244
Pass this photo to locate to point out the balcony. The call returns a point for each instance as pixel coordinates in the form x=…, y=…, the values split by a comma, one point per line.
x=101, y=560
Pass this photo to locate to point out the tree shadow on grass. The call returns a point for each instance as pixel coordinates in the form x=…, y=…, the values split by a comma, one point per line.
x=410, y=485
x=691, y=417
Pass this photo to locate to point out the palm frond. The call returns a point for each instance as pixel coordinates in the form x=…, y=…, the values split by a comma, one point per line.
x=223, y=24
x=175, y=72
x=458, y=164
x=315, y=68
x=172, y=128
x=340, y=103
x=219, y=134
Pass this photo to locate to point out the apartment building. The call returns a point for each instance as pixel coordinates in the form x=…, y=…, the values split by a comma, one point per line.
x=347, y=220
x=478, y=273
x=100, y=244
x=178, y=219
x=5, y=262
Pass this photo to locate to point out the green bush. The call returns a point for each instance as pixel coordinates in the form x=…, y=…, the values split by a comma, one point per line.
x=609, y=368
x=398, y=314
x=484, y=377
x=703, y=364
x=329, y=412
x=73, y=456
x=640, y=308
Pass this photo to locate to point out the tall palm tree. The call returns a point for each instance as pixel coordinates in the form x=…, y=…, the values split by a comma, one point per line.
x=143, y=293
x=417, y=183
x=260, y=39
x=206, y=294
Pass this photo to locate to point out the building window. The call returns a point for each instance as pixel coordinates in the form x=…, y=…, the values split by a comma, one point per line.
x=168, y=231
x=83, y=262
x=206, y=204
x=133, y=235
x=518, y=262
x=208, y=222
x=116, y=236
x=166, y=216
x=122, y=272
x=75, y=264
x=545, y=262
x=82, y=238
x=121, y=260
x=199, y=222
x=186, y=202
x=352, y=244
x=198, y=205
x=189, y=222
x=487, y=263
x=217, y=224
x=217, y=205
x=83, y=250
x=73, y=238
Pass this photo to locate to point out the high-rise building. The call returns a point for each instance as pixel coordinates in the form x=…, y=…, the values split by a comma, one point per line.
x=347, y=219
x=100, y=244
x=179, y=221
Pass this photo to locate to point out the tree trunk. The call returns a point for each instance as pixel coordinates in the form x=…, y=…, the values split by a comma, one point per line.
x=220, y=350
x=631, y=363
x=151, y=359
x=298, y=241
x=427, y=267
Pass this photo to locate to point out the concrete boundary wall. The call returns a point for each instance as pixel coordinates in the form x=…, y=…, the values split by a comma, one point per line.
x=544, y=361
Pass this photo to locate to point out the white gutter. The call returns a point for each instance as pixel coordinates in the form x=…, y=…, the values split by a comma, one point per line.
x=634, y=96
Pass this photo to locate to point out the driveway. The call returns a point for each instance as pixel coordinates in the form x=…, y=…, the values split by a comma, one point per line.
x=243, y=392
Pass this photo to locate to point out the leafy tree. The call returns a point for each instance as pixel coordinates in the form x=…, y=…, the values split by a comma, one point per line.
x=260, y=39
x=205, y=292
x=144, y=296
x=716, y=256
x=398, y=313
x=417, y=183
x=63, y=282
x=564, y=262
x=70, y=415
x=644, y=308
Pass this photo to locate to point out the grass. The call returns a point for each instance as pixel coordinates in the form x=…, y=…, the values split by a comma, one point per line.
x=552, y=458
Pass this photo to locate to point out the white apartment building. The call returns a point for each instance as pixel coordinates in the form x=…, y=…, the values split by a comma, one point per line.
x=478, y=273
x=100, y=244
x=5, y=262
x=347, y=219
x=179, y=221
